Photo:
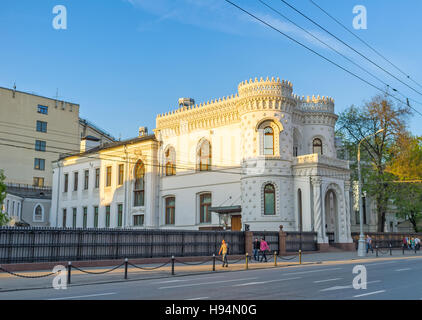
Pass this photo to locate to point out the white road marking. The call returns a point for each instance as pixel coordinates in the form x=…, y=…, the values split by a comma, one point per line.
x=368, y=294
x=263, y=282
x=327, y=280
x=319, y=270
x=346, y=287
x=378, y=263
x=86, y=296
x=404, y=269
x=201, y=298
x=202, y=283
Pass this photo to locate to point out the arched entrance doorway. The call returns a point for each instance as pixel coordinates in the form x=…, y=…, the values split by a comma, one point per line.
x=331, y=216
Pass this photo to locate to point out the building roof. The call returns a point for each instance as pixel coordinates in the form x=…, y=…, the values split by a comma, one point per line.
x=110, y=145
x=26, y=191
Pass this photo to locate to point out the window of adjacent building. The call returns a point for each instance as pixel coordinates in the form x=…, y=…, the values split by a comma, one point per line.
x=269, y=200
x=138, y=220
x=170, y=161
x=75, y=181
x=38, y=213
x=95, y=217
x=108, y=177
x=121, y=174
x=139, y=191
x=86, y=179
x=40, y=145
x=64, y=217
x=38, y=182
x=74, y=217
x=119, y=215
x=170, y=210
x=317, y=146
x=85, y=217
x=204, y=204
x=41, y=126
x=107, y=217
x=19, y=210
x=39, y=164
x=97, y=178
x=204, y=156
x=42, y=109
x=268, y=141
x=66, y=182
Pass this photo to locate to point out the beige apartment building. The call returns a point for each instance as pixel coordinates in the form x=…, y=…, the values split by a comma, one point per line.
x=34, y=132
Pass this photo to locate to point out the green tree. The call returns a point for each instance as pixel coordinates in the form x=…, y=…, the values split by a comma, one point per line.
x=3, y=216
x=354, y=125
x=408, y=200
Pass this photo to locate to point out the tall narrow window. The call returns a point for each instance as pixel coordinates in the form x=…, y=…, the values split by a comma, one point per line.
x=268, y=141
x=205, y=204
x=75, y=181
x=170, y=210
x=121, y=174
x=107, y=217
x=97, y=178
x=64, y=217
x=119, y=215
x=38, y=214
x=204, y=156
x=75, y=212
x=170, y=161
x=95, y=217
x=138, y=220
x=269, y=200
x=317, y=146
x=85, y=218
x=86, y=179
x=66, y=182
x=139, y=190
x=108, y=177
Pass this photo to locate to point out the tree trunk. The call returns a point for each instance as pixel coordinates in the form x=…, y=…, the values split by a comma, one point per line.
x=381, y=221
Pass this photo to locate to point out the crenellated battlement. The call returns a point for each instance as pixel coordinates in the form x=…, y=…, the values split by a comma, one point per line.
x=268, y=87
x=315, y=104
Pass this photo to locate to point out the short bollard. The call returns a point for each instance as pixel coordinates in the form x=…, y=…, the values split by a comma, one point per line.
x=391, y=250
x=300, y=256
x=172, y=265
x=126, y=263
x=213, y=262
x=376, y=249
x=247, y=260
x=275, y=258
x=69, y=271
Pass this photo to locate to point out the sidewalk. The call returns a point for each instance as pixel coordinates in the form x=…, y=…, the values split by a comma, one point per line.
x=9, y=282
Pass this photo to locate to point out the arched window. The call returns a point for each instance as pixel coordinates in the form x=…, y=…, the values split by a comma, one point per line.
x=317, y=146
x=269, y=199
x=204, y=156
x=139, y=190
x=38, y=213
x=268, y=141
x=170, y=161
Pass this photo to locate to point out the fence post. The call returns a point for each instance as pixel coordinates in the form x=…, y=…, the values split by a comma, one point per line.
x=300, y=256
x=126, y=262
x=403, y=248
x=213, y=262
x=172, y=265
x=69, y=271
x=281, y=241
x=247, y=260
x=391, y=249
x=275, y=258
x=376, y=249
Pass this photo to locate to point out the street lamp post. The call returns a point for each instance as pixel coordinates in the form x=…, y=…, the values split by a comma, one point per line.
x=361, y=246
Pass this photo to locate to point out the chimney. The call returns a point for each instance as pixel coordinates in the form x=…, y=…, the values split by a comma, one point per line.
x=143, y=131
x=186, y=102
x=88, y=143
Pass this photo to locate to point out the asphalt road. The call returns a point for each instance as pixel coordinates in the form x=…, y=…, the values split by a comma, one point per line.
x=397, y=279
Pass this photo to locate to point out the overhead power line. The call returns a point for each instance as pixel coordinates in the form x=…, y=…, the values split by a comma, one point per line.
x=365, y=43
x=320, y=55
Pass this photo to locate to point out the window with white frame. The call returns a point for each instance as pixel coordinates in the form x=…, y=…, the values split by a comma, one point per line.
x=38, y=213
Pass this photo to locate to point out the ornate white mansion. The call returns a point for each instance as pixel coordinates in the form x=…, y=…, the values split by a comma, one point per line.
x=264, y=157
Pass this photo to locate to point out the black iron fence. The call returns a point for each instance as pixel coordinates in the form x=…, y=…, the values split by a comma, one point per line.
x=384, y=239
x=271, y=237
x=305, y=241
x=23, y=245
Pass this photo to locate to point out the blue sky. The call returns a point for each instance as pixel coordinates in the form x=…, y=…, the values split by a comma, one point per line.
x=125, y=61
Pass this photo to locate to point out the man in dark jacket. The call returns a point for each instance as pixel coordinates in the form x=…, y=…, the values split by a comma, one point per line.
x=256, y=247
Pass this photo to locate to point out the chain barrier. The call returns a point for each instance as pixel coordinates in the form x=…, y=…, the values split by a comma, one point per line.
x=193, y=263
x=149, y=268
x=24, y=276
x=236, y=261
x=101, y=272
x=288, y=259
x=384, y=252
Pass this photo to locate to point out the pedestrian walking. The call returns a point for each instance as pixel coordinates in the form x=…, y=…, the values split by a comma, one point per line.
x=412, y=243
x=404, y=242
x=417, y=243
x=256, y=248
x=223, y=250
x=263, y=248
x=369, y=244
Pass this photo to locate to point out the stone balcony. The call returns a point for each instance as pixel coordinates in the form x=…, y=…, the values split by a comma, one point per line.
x=317, y=159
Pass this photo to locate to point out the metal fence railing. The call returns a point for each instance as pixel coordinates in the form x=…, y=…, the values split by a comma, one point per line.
x=305, y=241
x=23, y=245
x=271, y=237
x=384, y=239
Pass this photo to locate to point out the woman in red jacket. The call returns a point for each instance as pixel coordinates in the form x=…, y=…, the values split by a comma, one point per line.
x=263, y=248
